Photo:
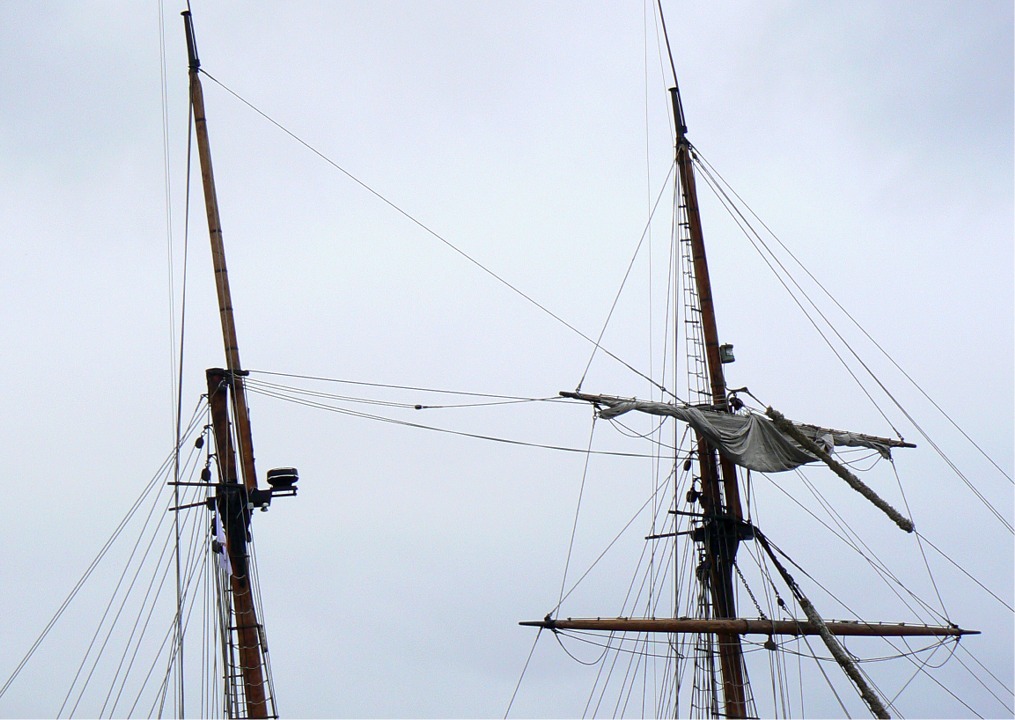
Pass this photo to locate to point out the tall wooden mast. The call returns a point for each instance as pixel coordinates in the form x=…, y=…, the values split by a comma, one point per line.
x=722, y=527
x=233, y=499
x=720, y=492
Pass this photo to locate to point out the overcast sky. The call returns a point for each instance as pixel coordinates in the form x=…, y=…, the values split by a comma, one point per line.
x=874, y=138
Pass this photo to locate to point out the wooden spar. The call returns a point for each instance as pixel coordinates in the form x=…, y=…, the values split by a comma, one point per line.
x=854, y=482
x=241, y=415
x=846, y=662
x=232, y=499
x=720, y=547
x=234, y=513
x=748, y=626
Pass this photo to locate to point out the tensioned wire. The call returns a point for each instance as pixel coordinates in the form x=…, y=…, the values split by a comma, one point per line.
x=778, y=662
x=976, y=676
x=601, y=555
x=853, y=541
x=196, y=574
x=907, y=655
x=316, y=398
x=126, y=596
x=117, y=531
x=196, y=563
x=197, y=558
x=169, y=550
x=379, y=418
x=255, y=585
x=498, y=278
x=578, y=507
x=729, y=188
x=645, y=233
x=420, y=224
x=754, y=238
x=167, y=640
x=175, y=394
x=796, y=592
x=141, y=623
x=645, y=588
x=491, y=399
x=176, y=365
x=957, y=565
x=619, y=641
x=522, y=675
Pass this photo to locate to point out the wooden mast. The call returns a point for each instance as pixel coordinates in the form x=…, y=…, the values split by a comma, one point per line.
x=723, y=527
x=218, y=256
x=232, y=499
x=233, y=510
x=720, y=492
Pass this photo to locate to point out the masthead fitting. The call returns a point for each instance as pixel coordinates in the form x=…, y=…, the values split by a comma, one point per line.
x=678, y=113
x=188, y=26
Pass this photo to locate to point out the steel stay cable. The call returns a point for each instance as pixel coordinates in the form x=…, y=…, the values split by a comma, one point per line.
x=87, y=573
x=109, y=605
x=420, y=224
x=603, y=553
x=281, y=392
x=166, y=640
x=635, y=655
x=919, y=428
x=953, y=655
x=966, y=572
x=140, y=566
x=855, y=322
x=627, y=273
x=1003, y=703
x=521, y=677
x=985, y=669
x=818, y=583
x=908, y=656
x=828, y=680
x=390, y=403
x=183, y=335
x=391, y=386
x=460, y=433
x=914, y=596
x=196, y=561
x=768, y=260
x=142, y=621
x=853, y=540
x=577, y=510
x=919, y=543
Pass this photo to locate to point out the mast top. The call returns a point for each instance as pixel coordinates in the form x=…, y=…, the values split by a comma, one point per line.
x=188, y=24
x=678, y=114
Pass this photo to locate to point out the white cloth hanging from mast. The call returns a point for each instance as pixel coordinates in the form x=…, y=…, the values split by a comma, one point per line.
x=751, y=441
x=220, y=547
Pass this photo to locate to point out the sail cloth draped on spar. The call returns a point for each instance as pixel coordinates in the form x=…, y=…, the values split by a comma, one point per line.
x=751, y=441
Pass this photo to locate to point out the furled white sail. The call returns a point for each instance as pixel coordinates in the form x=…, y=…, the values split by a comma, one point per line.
x=751, y=441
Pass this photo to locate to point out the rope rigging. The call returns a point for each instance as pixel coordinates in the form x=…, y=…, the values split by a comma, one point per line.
x=424, y=227
x=286, y=395
x=722, y=192
x=335, y=397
